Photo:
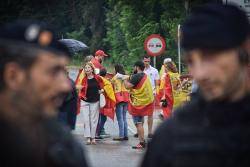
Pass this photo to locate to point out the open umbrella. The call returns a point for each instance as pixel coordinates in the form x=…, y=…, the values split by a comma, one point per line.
x=74, y=46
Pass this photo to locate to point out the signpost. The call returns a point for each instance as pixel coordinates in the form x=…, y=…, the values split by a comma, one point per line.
x=154, y=45
x=179, y=47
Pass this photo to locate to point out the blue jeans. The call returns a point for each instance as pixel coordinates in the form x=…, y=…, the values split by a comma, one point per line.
x=101, y=122
x=121, y=111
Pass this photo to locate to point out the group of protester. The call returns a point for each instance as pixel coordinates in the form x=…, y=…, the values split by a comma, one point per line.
x=137, y=94
x=210, y=130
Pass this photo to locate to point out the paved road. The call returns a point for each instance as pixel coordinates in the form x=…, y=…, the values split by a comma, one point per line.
x=109, y=153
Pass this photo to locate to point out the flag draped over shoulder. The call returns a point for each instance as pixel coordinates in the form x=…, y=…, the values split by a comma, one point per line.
x=121, y=93
x=175, y=95
x=179, y=95
x=165, y=92
x=141, y=98
x=109, y=108
x=78, y=82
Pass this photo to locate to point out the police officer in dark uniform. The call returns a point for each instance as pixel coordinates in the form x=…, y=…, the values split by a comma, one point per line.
x=32, y=81
x=213, y=129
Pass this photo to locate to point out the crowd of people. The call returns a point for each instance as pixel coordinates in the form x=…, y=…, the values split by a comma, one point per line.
x=137, y=94
x=212, y=129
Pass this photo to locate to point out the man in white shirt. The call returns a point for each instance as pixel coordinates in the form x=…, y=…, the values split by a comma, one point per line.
x=153, y=74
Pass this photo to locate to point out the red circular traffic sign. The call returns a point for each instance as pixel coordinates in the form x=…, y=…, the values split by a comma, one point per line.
x=154, y=45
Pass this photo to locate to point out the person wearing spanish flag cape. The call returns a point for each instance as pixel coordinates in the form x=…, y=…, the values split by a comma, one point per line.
x=171, y=88
x=90, y=86
x=141, y=99
x=122, y=99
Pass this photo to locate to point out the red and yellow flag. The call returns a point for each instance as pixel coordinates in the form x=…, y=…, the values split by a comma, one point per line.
x=121, y=93
x=109, y=108
x=141, y=98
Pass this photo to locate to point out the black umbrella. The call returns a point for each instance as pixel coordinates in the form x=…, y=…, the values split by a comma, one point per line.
x=74, y=46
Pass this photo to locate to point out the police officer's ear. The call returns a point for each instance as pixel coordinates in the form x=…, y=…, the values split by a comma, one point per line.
x=243, y=56
x=247, y=48
x=244, y=52
x=14, y=76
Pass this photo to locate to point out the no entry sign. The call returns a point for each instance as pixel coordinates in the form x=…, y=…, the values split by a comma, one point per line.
x=154, y=45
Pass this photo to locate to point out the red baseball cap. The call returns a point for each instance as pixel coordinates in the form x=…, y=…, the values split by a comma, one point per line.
x=100, y=53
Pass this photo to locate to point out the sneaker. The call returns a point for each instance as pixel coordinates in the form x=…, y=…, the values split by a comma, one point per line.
x=136, y=135
x=125, y=138
x=150, y=135
x=118, y=138
x=139, y=146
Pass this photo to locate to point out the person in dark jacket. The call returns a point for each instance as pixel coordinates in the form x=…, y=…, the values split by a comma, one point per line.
x=212, y=130
x=68, y=110
x=32, y=81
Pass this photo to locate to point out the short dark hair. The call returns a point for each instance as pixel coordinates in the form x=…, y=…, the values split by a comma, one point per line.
x=146, y=57
x=140, y=64
x=119, y=69
x=103, y=72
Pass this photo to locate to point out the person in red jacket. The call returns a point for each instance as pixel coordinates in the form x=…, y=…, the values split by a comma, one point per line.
x=91, y=86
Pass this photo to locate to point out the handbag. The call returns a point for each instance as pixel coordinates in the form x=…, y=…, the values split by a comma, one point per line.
x=102, y=100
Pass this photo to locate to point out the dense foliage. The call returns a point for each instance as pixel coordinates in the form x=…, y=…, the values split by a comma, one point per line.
x=117, y=26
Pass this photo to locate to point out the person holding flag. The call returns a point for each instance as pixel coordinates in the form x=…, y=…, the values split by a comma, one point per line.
x=141, y=99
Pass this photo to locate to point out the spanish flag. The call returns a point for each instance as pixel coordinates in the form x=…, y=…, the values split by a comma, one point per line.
x=109, y=108
x=165, y=92
x=141, y=98
x=121, y=93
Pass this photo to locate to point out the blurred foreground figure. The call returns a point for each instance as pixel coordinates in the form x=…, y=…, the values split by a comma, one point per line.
x=68, y=110
x=212, y=129
x=32, y=82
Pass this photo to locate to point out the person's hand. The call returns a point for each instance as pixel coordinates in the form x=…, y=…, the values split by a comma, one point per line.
x=119, y=76
x=101, y=91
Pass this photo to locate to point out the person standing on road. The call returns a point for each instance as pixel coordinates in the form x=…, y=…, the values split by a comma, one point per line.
x=108, y=110
x=141, y=99
x=165, y=92
x=213, y=128
x=91, y=87
x=96, y=61
x=122, y=99
x=153, y=75
x=32, y=82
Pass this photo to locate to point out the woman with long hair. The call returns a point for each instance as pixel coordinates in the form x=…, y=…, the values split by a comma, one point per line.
x=122, y=99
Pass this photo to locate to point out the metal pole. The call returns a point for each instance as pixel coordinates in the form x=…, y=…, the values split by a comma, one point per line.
x=179, y=49
x=154, y=61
